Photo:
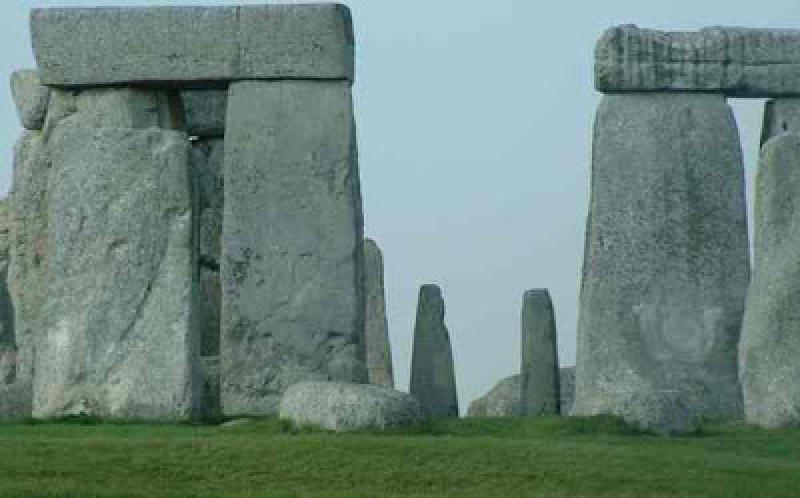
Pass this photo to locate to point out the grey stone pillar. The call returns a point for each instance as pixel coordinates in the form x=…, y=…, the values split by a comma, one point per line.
x=433, y=381
x=379, y=349
x=666, y=262
x=292, y=264
x=540, y=374
x=781, y=115
x=770, y=343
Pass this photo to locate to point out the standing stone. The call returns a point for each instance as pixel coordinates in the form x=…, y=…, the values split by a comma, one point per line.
x=770, y=342
x=780, y=116
x=502, y=400
x=379, y=349
x=30, y=97
x=433, y=381
x=666, y=263
x=116, y=329
x=292, y=264
x=567, y=390
x=540, y=379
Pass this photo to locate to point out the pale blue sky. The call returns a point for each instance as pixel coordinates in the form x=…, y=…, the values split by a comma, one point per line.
x=474, y=122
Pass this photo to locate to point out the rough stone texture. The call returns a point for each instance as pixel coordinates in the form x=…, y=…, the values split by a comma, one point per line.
x=124, y=107
x=567, y=390
x=503, y=400
x=738, y=62
x=379, y=349
x=540, y=382
x=14, y=395
x=292, y=266
x=28, y=248
x=433, y=381
x=780, y=116
x=205, y=112
x=343, y=407
x=96, y=46
x=770, y=342
x=116, y=333
x=30, y=98
x=666, y=263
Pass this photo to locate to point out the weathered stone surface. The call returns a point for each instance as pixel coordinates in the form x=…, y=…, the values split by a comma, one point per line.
x=14, y=395
x=342, y=407
x=666, y=263
x=116, y=337
x=780, y=116
x=379, y=349
x=205, y=112
x=503, y=400
x=96, y=46
x=770, y=342
x=30, y=98
x=292, y=264
x=433, y=381
x=124, y=107
x=567, y=390
x=540, y=382
x=738, y=62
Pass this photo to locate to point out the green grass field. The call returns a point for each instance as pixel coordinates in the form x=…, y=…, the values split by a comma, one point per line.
x=547, y=457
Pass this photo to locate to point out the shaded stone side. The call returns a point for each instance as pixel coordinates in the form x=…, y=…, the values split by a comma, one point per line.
x=780, y=116
x=540, y=382
x=110, y=45
x=567, y=390
x=433, y=381
x=379, y=349
x=116, y=333
x=292, y=266
x=737, y=62
x=666, y=263
x=770, y=342
x=205, y=112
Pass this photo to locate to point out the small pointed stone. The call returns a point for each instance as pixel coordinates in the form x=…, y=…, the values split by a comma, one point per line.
x=433, y=381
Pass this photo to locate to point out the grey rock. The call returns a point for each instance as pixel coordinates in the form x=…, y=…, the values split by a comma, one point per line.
x=540, y=373
x=379, y=349
x=209, y=406
x=770, y=341
x=666, y=263
x=30, y=98
x=96, y=46
x=205, y=112
x=433, y=381
x=780, y=116
x=116, y=335
x=344, y=407
x=116, y=107
x=738, y=62
x=503, y=400
x=292, y=264
x=13, y=397
x=15, y=401
x=566, y=390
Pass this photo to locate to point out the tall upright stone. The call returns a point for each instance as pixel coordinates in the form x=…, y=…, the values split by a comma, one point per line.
x=770, y=343
x=292, y=266
x=379, y=349
x=540, y=372
x=666, y=262
x=433, y=381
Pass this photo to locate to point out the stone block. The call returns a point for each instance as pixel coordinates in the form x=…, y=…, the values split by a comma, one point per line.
x=540, y=373
x=30, y=98
x=205, y=112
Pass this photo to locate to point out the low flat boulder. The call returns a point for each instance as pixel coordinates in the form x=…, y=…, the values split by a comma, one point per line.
x=343, y=407
x=503, y=400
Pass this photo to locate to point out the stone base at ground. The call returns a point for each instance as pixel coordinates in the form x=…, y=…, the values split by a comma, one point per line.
x=343, y=407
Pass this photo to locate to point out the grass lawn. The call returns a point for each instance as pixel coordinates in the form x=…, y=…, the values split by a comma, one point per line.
x=547, y=457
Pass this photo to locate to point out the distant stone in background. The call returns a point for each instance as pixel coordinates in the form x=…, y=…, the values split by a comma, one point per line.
x=379, y=348
x=540, y=375
x=205, y=112
x=666, y=263
x=503, y=400
x=770, y=345
x=30, y=97
x=433, y=381
x=780, y=116
x=738, y=62
x=567, y=390
x=292, y=267
x=342, y=407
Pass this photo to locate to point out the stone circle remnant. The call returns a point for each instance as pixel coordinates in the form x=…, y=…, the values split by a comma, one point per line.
x=379, y=349
x=540, y=371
